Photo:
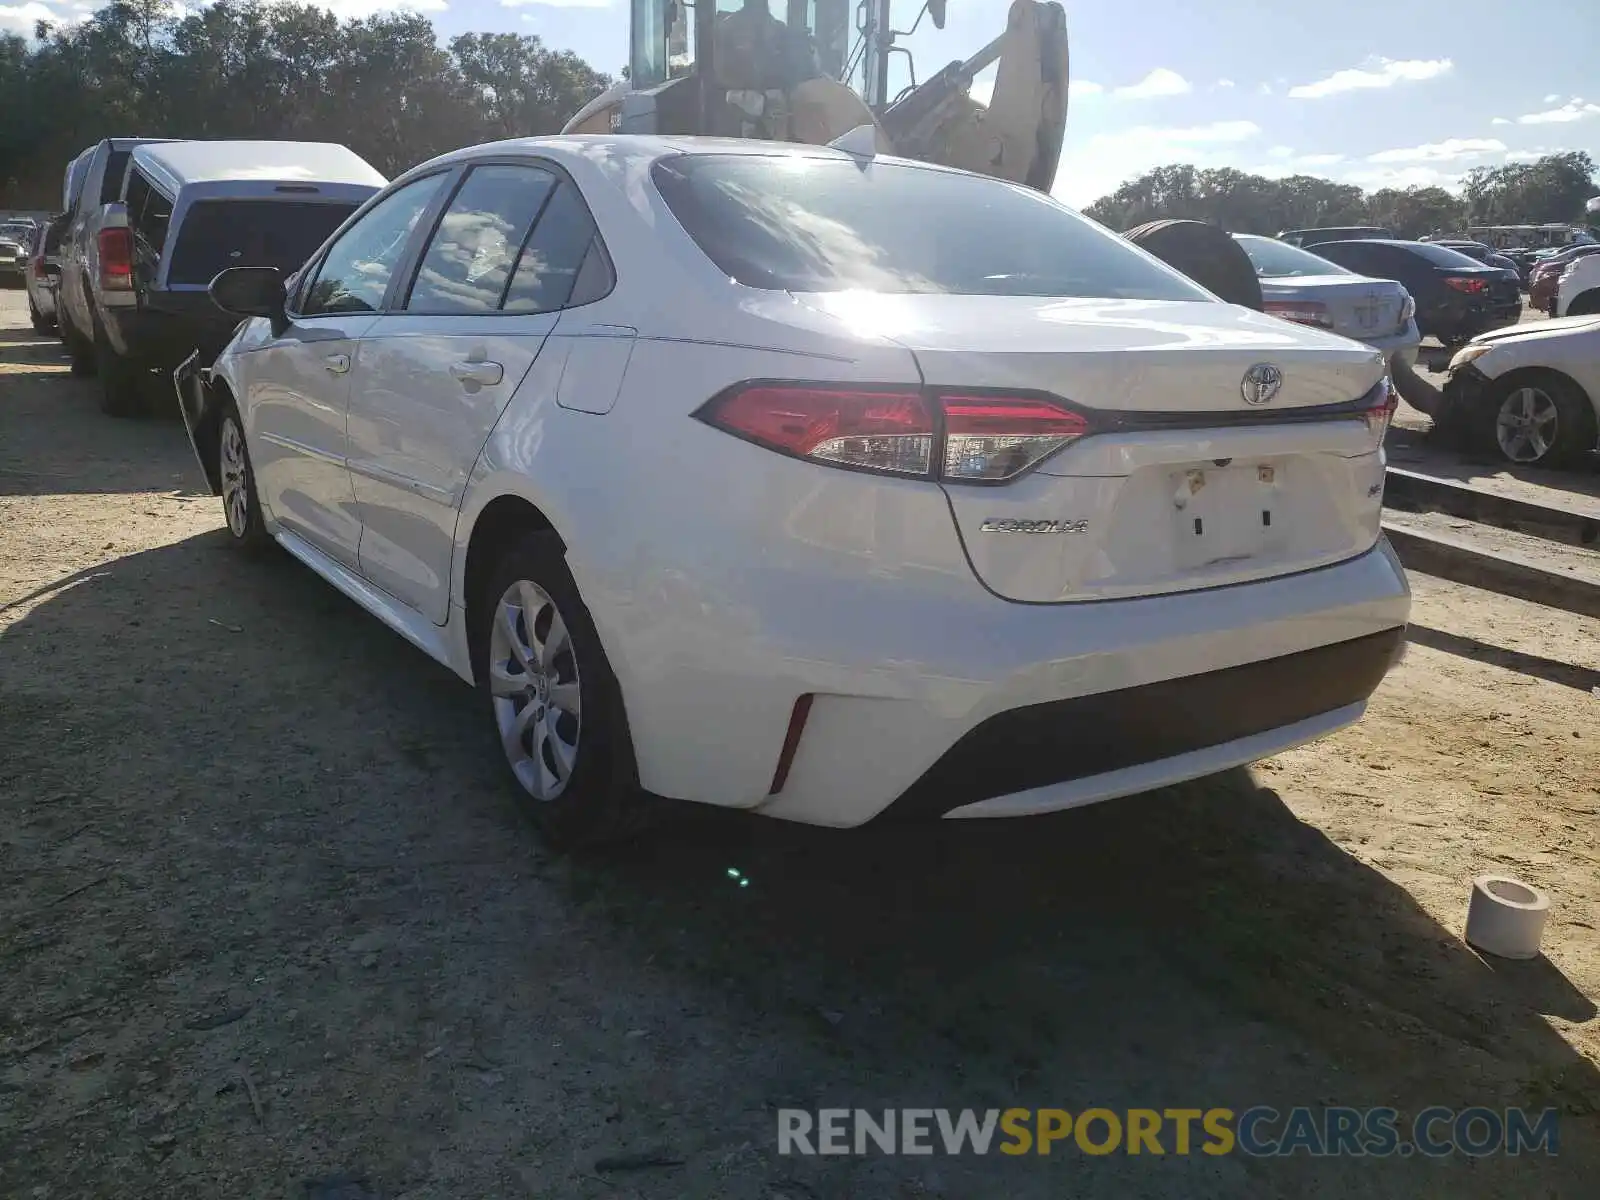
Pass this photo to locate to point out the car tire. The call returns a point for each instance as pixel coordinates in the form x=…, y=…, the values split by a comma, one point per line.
x=79, y=348
x=1205, y=253
x=1533, y=418
x=40, y=322
x=241, y=508
x=120, y=392
x=1585, y=304
x=572, y=761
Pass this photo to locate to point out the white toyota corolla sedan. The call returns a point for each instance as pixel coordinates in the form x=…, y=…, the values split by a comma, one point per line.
x=826, y=487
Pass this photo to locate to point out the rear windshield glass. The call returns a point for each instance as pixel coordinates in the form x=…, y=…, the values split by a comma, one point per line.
x=217, y=234
x=789, y=223
x=1279, y=260
x=1442, y=256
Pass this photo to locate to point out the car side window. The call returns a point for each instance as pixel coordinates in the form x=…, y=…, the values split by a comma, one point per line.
x=355, y=272
x=557, y=259
x=148, y=211
x=471, y=254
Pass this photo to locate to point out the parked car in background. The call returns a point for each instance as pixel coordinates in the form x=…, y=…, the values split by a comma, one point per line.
x=1578, y=290
x=473, y=410
x=44, y=275
x=16, y=240
x=190, y=210
x=1530, y=394
x=1481, y=253
x=1333, y=233
x=90, y=182
x=1546, y=276
x=1303, y=287
x=1457, y=297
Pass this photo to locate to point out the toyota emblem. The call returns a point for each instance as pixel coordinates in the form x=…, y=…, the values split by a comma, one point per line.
x=1261, y=383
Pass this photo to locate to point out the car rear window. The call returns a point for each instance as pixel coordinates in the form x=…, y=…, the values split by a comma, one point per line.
x=1442, y=256
x=1273, y=259
x=217, y=234
x=806, y=224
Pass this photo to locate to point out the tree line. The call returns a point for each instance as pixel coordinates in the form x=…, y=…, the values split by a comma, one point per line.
x=382, y=85
x=1554, y=188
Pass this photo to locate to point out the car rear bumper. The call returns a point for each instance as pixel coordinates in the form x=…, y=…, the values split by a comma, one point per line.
x=968, y=705
x=1402, y=345
x=165, y=328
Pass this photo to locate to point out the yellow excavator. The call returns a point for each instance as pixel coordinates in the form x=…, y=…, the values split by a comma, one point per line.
x=815, y=70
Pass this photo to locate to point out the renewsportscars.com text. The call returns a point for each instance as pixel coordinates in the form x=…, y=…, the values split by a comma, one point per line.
x=1259, y=1131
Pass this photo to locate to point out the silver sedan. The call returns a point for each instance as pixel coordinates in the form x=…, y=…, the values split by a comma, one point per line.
x=1298, y=286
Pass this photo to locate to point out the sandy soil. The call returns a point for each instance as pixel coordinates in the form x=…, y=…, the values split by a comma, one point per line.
x=268, y=918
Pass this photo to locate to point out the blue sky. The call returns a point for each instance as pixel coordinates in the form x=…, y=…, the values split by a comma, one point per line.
x=1373, y=92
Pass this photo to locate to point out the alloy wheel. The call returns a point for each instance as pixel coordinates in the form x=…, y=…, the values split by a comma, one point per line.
x=235, y=489
x=533, y=682
x=1527, y=424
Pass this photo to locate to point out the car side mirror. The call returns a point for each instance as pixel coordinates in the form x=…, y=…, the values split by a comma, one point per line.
x=936, y=13
x=251, y=292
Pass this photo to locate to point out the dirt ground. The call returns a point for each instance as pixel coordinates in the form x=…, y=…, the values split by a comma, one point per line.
x=269, y=919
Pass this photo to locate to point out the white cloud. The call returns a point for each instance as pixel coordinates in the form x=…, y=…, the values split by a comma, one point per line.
x=1224, y=83
x=356, y=9
x=1573, y=110
x=1160, y=82
x=1534, y=154
x=1499, y=121
x=1287, y=162
x=1265, y=89
x=20, y=18
x=1552, y=98
x=1099, y=165
x=1449, y=150
x=1193, y=135
x=1403, y=177
x=982, y=89
x=555, y=3
x=1376, y=73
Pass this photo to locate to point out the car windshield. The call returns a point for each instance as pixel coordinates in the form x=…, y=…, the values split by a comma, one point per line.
x=811, y=224
x=1279, y=260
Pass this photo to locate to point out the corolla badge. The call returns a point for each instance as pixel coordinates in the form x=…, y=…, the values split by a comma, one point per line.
x=1261, y=383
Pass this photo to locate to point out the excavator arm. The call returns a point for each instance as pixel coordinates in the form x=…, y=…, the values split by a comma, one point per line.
x=1019, y=133
x=1016, y=136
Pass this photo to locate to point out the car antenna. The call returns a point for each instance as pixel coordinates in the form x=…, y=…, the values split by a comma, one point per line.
x=861, y=142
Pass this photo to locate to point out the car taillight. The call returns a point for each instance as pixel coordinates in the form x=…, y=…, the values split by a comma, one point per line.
x=904, y=432
x=1464, y=283
x=116, y=259
x=994, y=438
x=1301, y=312
x=1381, y=411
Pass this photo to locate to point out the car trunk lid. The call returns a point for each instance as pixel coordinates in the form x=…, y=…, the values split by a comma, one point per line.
x=1355, y=307
x=1181, y=483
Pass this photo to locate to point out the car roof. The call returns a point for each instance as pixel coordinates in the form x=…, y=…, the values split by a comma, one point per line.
x=179, y=164
x=623, y=154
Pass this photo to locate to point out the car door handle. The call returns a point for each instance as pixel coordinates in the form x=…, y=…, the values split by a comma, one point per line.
x=484, y=374
x=337, y=363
